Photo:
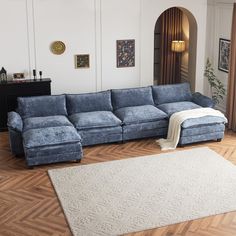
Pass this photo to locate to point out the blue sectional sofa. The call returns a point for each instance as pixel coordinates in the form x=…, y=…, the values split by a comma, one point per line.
x=54, y=128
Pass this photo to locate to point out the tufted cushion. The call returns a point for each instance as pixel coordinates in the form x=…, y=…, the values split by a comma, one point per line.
x=131, y=97
x=170, y=108
x=42, y=106
x=47, y=121
x=140, y=114
x=96, y=119
x=50, y=136
x=171, y=93
x=89, y=102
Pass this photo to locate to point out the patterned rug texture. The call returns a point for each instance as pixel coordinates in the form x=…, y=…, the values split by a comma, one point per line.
x=135, y=194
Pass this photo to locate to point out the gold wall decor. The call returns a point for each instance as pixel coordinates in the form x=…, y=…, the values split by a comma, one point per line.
x=58, y=47
x=82, y=61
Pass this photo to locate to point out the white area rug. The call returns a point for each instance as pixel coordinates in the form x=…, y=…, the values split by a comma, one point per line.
x=131, y=195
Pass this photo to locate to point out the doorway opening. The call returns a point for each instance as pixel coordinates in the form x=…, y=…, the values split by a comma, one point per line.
x=175, y=46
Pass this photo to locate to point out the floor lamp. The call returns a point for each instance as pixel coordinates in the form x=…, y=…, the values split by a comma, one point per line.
x=178, y=46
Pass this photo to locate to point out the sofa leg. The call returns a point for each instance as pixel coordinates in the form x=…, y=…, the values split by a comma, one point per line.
x=119, y=142
x=78, y=160
x=180, y=145
x=30, y=167
x=219, y=139
x=19, y=155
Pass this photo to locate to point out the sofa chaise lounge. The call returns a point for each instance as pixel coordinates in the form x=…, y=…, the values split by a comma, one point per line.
x=54, y=128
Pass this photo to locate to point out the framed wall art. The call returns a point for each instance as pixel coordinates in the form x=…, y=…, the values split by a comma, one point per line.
x=125, y=53
x=224, y=50
x=82, y=61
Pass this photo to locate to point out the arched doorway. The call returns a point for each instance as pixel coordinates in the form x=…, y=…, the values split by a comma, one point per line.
x=175, y=64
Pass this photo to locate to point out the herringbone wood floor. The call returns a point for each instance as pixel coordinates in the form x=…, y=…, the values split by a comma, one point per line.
x=29, y=206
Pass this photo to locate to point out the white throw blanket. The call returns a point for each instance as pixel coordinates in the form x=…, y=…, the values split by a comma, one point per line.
x=176, y=121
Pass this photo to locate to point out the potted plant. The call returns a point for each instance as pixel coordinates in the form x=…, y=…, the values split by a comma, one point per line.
x=217, y=87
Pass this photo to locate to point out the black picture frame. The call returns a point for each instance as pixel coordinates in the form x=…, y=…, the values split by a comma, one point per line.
x=223, y=58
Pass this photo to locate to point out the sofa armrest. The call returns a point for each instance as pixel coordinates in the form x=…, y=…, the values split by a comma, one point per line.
x=202, y=100
x=14, y=121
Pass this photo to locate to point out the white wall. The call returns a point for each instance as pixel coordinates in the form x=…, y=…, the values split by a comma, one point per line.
x=119, y=22
x=14, y=50
x=219, y=18
x=72, y=22
x=89, y=26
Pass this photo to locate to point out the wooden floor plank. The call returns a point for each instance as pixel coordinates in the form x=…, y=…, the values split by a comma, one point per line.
x=29, y=206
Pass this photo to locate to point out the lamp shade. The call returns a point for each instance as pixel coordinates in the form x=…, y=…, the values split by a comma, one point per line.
x=177, y=46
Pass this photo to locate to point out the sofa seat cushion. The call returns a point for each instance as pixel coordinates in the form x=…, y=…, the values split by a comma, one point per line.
x=44, y=122
x=202, y=121
x=173, y=107
x=95, y=119
x=140, y=114
x=50, y=136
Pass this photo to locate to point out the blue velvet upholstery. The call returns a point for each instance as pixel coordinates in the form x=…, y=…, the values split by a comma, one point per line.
x=203, y=129
x=101, y=135
x=198, y=122
x=200, y=138
x=87, y=102
x=16, y=142
x=202, y=100
x=144, y=130
x=14, y=121
x=53, y=154
x=153, y=125
x=42, y=106
x=44, y=122
x=140, y=114
x=170, y=108
x=52, y=144
x=50, y=136
x=93, y=120
x=131, y=97
x=171, y=93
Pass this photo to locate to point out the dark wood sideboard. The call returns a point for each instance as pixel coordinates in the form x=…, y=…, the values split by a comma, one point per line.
x=11, y=90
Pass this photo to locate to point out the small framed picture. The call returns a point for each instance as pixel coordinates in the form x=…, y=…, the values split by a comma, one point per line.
x=125, y=53
x=224, y=51
x=82, y=61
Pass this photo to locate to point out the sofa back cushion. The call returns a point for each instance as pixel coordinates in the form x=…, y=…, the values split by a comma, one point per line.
x=77, y=103
x=42, y=106
x=132, y=97
x=171, y=93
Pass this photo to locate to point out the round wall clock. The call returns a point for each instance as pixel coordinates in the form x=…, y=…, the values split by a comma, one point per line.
x=58, y=47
